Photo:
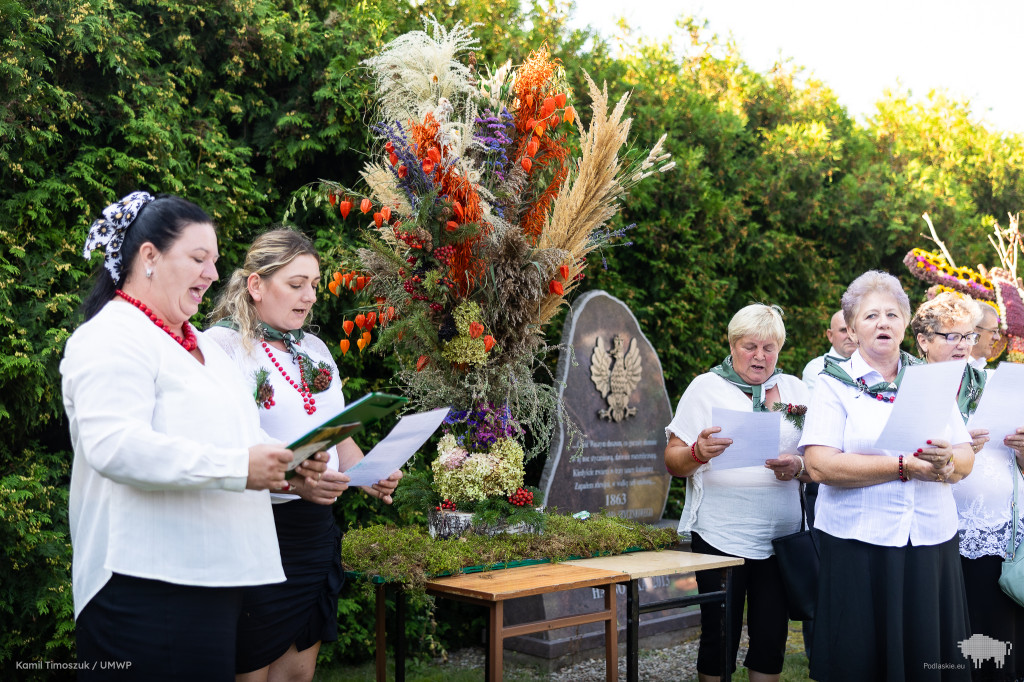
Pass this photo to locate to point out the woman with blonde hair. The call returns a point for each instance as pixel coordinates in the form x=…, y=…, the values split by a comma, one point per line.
x=739, y=511
x=295, y=383
x=890, y=572
x=945, y=331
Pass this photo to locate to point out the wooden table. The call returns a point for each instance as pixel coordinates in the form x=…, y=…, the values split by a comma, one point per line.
x=492, y=588
x=640, y=565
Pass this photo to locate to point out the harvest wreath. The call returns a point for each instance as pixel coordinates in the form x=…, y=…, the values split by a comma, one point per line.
x=483, y=196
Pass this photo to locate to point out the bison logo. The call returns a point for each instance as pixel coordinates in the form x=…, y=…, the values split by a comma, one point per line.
x=980, y=648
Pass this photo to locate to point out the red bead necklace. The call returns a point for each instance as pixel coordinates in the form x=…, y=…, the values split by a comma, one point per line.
x=189, y=343
x=307, y=396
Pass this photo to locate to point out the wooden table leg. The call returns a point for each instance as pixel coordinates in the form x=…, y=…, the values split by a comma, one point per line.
x=633, y=631
x=611, y=636
x=381, y=637
x=495, y=640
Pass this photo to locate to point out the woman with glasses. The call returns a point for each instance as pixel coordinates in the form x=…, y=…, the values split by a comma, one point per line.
x=891, y=602
x=944, y=328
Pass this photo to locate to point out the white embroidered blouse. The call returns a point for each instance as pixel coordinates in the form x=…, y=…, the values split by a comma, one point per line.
x=983, y=503
x=286, y=420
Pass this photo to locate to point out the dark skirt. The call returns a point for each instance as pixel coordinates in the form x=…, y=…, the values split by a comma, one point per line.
x=889, y=613
x=140, y=629
x=303, y=610
x=996, y=617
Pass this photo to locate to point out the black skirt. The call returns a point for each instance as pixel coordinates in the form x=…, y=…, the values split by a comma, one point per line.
x=889, y=613
x=141, y=629
x=303, y=609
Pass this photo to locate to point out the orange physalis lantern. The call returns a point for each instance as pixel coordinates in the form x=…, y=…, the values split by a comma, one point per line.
x=386, y=213
x=488, y=343
x=475, y=330
x=371, y=319
x=345, y=345
x=361, y=343
x=560, y=100
x=333, y=287
x=344, y=207
x=365, y=205
x=360, y=320
x=556, y=288
x=421, y=363
x=563, y=270
x=526, y=163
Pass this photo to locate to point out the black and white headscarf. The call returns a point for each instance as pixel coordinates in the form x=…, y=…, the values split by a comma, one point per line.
x=108, y=231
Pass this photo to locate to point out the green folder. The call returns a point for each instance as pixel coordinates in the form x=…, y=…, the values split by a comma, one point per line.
x=349, y=422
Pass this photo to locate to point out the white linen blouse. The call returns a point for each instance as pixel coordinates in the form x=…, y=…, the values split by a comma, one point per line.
x=889, y=514
x=161, y=461
x=287, y=420
x=738, y=511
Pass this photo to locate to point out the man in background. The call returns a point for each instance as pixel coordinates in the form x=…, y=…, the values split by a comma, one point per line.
x=842, y=348
x=988, y=334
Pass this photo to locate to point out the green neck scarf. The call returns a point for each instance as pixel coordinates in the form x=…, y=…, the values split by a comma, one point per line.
x=971, y=386
x=289, y=338
x=833, y=370
x=756, y=392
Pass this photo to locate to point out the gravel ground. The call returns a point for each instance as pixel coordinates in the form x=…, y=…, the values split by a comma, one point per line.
x=671, y=664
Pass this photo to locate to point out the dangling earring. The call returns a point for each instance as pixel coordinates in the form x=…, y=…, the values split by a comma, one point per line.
x=149, y=273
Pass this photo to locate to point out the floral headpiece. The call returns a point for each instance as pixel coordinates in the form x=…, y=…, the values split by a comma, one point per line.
x=108, y=231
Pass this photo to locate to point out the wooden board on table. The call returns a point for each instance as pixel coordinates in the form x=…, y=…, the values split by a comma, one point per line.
x=649, y=564
x=525, y=581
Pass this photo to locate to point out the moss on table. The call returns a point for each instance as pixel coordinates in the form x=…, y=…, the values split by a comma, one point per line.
x=408, y=555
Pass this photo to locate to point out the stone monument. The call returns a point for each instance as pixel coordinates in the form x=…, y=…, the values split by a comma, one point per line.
x=615, y=393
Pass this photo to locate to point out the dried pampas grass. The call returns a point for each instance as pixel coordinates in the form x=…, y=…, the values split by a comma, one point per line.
x=589, y=196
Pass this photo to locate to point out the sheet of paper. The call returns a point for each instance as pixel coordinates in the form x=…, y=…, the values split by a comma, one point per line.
x=999, y=408
x=925, y=408
x=397, y=448
x=755, y=437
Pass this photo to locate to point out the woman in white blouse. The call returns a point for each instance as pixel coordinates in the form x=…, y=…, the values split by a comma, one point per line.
x=295, y=382
x=891, y=597
x=945, y=331
x=739, y=511
x=169, y=513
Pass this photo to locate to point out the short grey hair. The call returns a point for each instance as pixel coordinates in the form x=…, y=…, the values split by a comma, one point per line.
x=874, y=281
x=760, y=321
x=983, y=310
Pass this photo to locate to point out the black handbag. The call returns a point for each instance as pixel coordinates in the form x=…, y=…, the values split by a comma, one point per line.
x=797, y=555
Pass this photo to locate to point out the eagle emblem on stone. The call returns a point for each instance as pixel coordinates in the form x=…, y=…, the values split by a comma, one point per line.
x=615, y=373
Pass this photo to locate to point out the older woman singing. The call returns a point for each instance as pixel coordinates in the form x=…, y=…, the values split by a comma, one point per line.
x=738, y=512
x=891, y=599
x=945, y=331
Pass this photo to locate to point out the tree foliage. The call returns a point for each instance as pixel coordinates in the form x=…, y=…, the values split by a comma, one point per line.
x=778, y=196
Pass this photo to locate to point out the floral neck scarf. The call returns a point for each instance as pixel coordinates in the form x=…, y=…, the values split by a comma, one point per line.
x=833, y=370
x=755, y=391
